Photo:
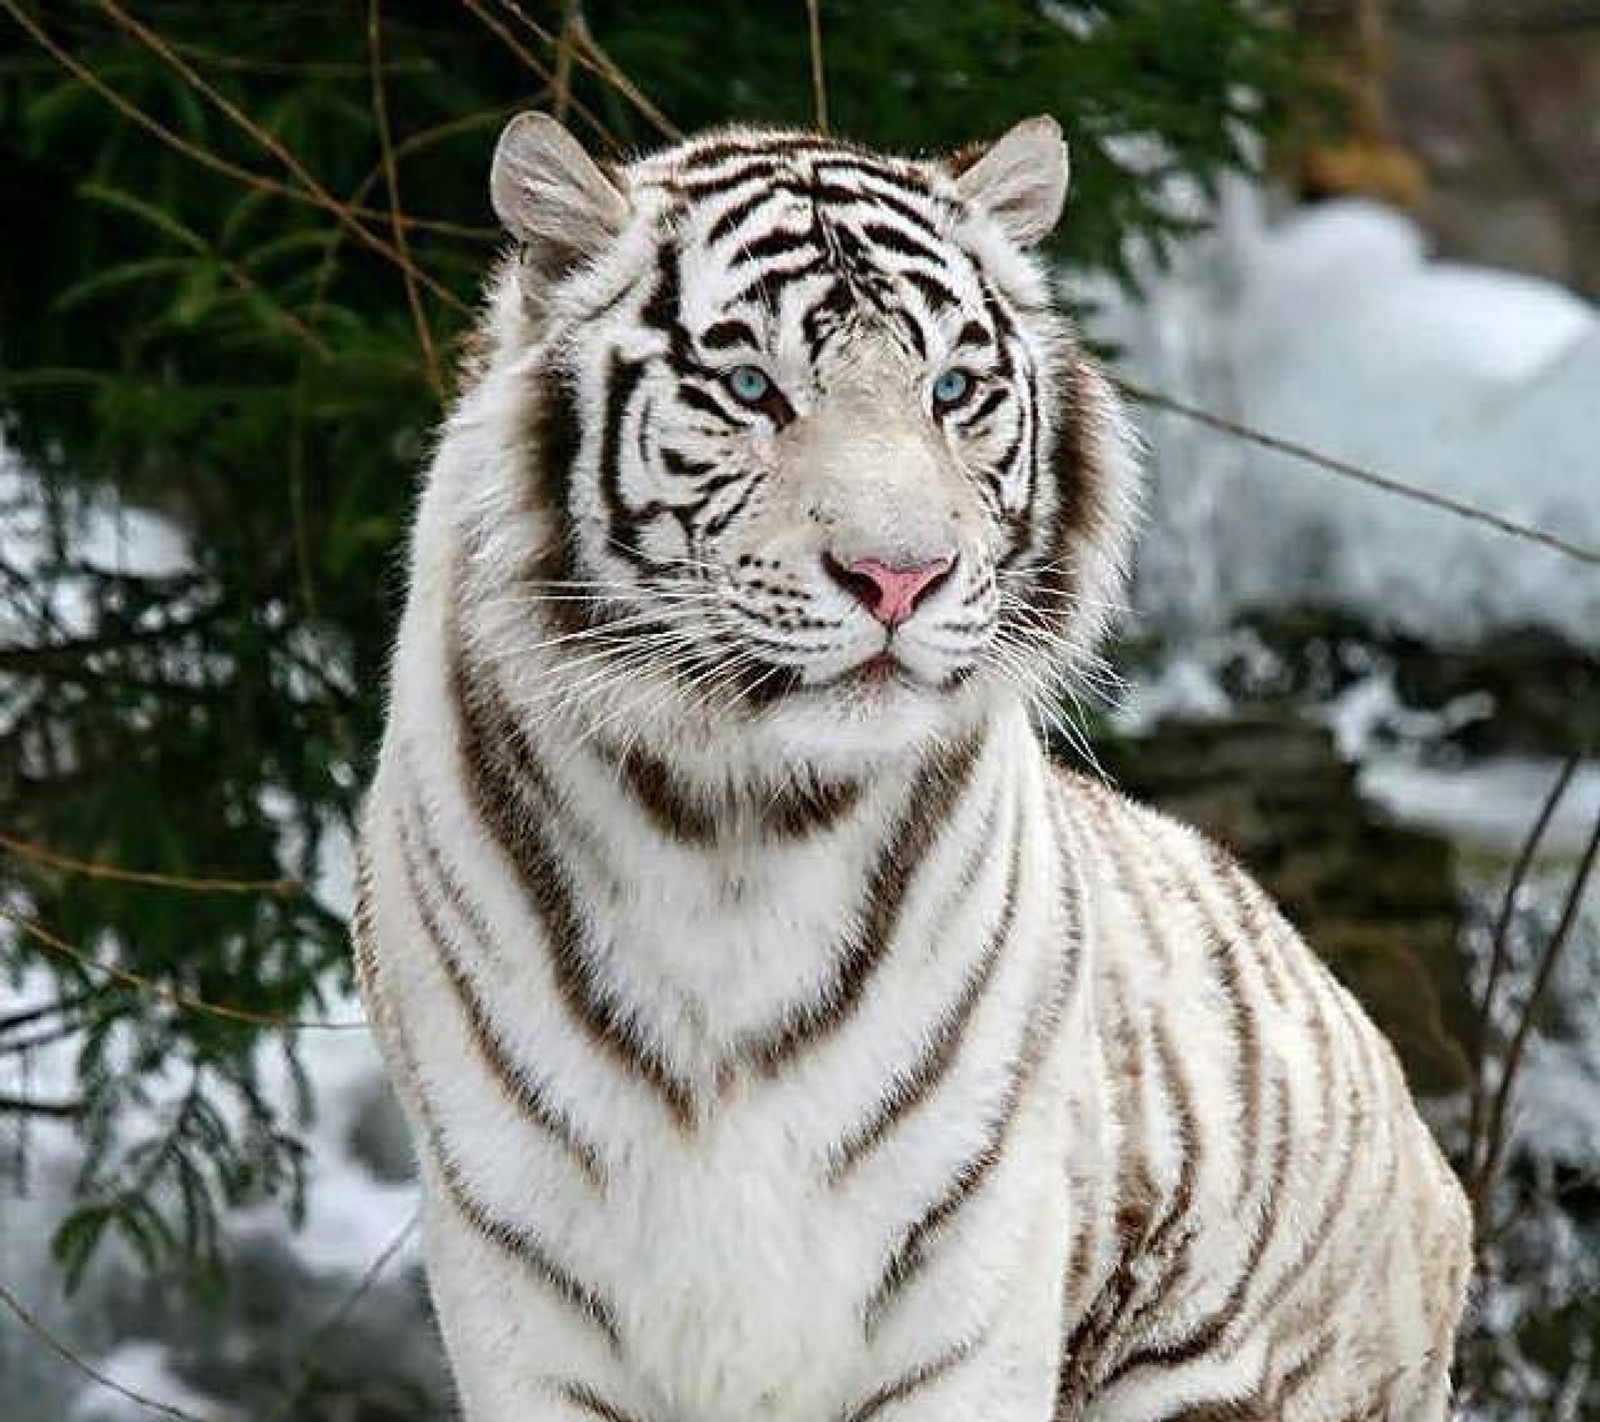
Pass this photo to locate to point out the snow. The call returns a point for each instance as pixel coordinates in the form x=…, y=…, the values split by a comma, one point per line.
x=1488, y=805
x=1334, y=328
x=140, y=1368
x=105, y=534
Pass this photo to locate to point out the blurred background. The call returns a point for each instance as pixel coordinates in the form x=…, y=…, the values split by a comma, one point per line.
x=1344, y=257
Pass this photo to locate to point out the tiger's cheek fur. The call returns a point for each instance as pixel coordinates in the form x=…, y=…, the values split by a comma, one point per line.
x=811, y=1050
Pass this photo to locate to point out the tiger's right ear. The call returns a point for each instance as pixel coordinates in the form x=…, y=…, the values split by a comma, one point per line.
x=551, y=196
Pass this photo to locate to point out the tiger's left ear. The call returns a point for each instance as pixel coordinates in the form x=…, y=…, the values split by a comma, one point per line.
x=1020, y=179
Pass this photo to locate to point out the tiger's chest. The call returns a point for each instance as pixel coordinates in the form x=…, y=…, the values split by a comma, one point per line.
x=745, y=1279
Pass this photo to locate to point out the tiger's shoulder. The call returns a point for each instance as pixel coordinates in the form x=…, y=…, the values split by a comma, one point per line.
x=1176, y=913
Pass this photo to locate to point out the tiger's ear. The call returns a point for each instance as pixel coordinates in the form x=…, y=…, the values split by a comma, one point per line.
x=1020, y=179
x=552, y=196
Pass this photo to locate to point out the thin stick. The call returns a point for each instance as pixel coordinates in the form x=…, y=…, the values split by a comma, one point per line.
x=1494, y=1133
x=594, y=58
x=323, y=198
x=391, y=178
x=225, y=1011
x=336, y=1319
x=819, y=82
x=561, y=84
x=76, y=1360
x=1501, y=949
x=1388, y=483
x=95, y=869
x=533, y=62
x=256, y=182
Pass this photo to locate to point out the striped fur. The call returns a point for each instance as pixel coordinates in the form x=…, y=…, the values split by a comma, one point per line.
x=782, y=1036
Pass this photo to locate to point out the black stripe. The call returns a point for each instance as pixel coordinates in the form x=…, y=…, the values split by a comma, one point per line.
x=722, y=334
x=725, y=225
x=912, y=1381
x=671, y=807
x=910, y=1256
x=774, y=244
x=681, y=466
x=586, y=1399
x=1207, y=1332
x=912, y=330
x=808, y=807
x=767, y=289
x=522, y=1244
x=912, y=1086
x=555, y=436
x=698, y=399
x=758, y=169
x=513, y=801
x=891, y=238
x=823, y=317
x=935, y=294
x=985, y=407
x=622, y=380
x=872, y=196
x=774, y=142
x=933, y=801
x=497, y=1057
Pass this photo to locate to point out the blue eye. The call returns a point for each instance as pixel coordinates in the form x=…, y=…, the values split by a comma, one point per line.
x=749, y=383
x=951, y=388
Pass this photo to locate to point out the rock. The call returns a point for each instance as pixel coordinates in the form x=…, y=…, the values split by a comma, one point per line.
x=1540, y=693
x=378, y=1136
x=1378, y=901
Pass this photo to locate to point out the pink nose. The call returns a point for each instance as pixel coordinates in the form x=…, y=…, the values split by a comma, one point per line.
x=889, y=594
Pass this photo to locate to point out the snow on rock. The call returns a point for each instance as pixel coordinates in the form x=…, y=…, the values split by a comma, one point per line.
x=1333, y=328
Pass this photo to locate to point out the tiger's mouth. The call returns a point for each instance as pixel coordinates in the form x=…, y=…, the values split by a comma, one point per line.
x=885, y=672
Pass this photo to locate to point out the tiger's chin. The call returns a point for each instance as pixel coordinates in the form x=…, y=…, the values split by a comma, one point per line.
x=880, y=708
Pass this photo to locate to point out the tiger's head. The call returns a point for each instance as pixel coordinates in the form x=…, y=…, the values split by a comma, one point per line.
x=804, y=456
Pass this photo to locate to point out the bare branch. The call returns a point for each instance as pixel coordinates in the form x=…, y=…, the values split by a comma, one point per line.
x=93, y=869
x=819, y=83
x=323, y=198
x=391, y=178
x=161, y=993
x=1388, y=483
x=1500, y=950
x=1496, y=1129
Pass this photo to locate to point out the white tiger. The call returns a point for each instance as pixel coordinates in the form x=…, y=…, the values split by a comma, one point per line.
x=783, y=1038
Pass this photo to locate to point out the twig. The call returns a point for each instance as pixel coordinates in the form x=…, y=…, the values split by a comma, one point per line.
x=93, y=869
x=391, y=178
x=256, y=182
x=225, y=1011
x=1495, y=1130
x=533, y=62
x=819, y=83
x=26, y=1106
x=1501, y=949
x=337, y=1318
x=241, y=120
x=561, y=82
x=76, y=1360
x=593, y=57
x=1388, y=483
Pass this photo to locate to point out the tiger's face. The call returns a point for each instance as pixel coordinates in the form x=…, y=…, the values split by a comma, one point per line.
x=811, y=443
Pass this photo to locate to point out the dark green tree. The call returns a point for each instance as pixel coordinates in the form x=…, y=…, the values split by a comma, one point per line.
x=241, y=247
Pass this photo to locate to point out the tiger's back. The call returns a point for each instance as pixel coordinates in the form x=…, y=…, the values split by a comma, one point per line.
x=1282, y=1229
